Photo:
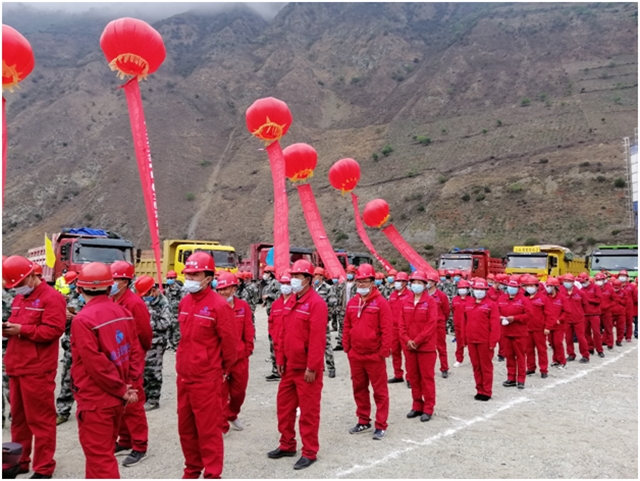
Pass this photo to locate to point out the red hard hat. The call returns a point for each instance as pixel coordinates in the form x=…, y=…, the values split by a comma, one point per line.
x=600, y=276
x=480, y=284
x=37, y=270
x=226, y=279
x=462, y=283
x=143, y=284
x=199, y=262
x=402, y=276
x=418, y=275
x=623, y=272
x=616, y=283
x=514, y=281
x=269, y=269
x=491, y=277
x=393, y=272
x=568, y=277
x=285, y=278
x=380, y=275
x=457, y=272
x=172, y=275
x=515, y=277
x=95, y=276
x=122, y=270
x=365, y=271
x=319, y=271
x=442, y=272
x=433, y=276
x=502, y=278
x=302, y=266
x=529, y=280
x=15, y=269
x=553, y=281
x=351, y=268
x=70, y=276
x=583, y=275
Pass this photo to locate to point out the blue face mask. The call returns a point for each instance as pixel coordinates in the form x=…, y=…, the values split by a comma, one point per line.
x=148, y=298
x=214, y=283
x=442, y=279
x=170, y=281
x=316, y=282
x=512, y=291
x=378, y=282
x=456, y=278
x=350, y=277
x=81, y=299
x=390, y=280
x=335, y=281
x=114, y=290
x=72, y=286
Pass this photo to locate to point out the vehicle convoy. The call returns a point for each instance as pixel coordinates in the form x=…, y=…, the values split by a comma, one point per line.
x=613, y=259
x=476, y=262
x=543, y=261
x=175, y=253
x=74, y=247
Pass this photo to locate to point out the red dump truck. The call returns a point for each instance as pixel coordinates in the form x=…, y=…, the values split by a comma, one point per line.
x=476, y=262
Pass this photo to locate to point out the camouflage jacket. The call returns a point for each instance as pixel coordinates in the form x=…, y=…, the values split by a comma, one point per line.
x=342, y=295
x=74, y=305
x=328, y=294
x=449, y=288
x=174, y=295
x=247, y=291
x=386, y=289
x=270, y=292
x=160, y=312
x=7, y=300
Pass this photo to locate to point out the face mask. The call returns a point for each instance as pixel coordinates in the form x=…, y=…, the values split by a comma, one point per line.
x=265, y=277
x=512, y=291
x=363, y=291
x=397, y=285
x=171, y=281
x=72, y=286
x=23, y=291
x=502, y=287
x=335, y=281
x=568, y=285
x=350, y=277
x=378, y=282
x=430, y=285
x=456, y=278
x=285, y=289
x=463, y=291
x=296, y=285
x=390, y=280
x=549, y=289
x=316, y=282
x=479, y=293
x=442, y=279
x=623, y=278
x=600, y=283
x=192, y=286
x=148, y=298
x=214, y=283
x=490, y=284
x=229, y=299
x=531, y=290
x=114, y=290
x=417, y=288
x=585, y=285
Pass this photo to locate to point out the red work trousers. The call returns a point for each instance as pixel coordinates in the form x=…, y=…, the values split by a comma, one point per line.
x=421, y=374
x=200, y=411
x=578, y=329
x=234, y=390
x=515, y=349
x=537, y=341
x=294, y=392
x=557, y=344
x=482, y=362
x=628, y=333
x=607, y=325
x=372, y=369
x=396, y=355
x=441, y=342
x=33, y=415
x=501, y=349
x=98, y=431
x=134, y=430
x=592, y=333
x=619, y=321
x=459, y=345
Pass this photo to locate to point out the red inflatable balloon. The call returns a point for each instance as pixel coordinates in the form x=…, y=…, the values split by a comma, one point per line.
x=300, y=162
x=268, y=119
x=17, y=58
x=344, y=175
x=376, y=213
x=132, y=47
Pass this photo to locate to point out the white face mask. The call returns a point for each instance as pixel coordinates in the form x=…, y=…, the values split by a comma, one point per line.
x=430, y=285
x=192, y=286
x=363, y=291
x=397, y=285
x=623, y=278
x=285, y=289
x=296, y=285
x=531, y=290
x=23, y=290
x=549, y=289
x=463, y=291
x=600, y=283
x=417, y=288
x=568, y=285
x=479, y=293
x=265, y=277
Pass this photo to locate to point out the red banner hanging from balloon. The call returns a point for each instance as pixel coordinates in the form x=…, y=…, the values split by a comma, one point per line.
x=364, y=237
x=281, y=256
x=143, y=156
x=318, y=234
x=406, y=250
x=4, y=147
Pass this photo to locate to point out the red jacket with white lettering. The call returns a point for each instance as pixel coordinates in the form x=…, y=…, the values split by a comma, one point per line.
x=245, y=328
x=593, y=298
x=208, y=337
x=396, y=301
x=367, y=329
x=573, y=306
x=419, y=322
x=42, y=315
x=481, y=323
x=444, y=309
x=303, y=332
x=140, y=313
x=458, y=304
x=105, y=354
x=520, y=308
x=540, y=307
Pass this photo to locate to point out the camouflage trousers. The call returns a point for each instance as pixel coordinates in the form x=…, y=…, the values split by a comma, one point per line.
x=450, y=328
x=173, y=334
x=274, y=368
x=340, y=326
x=64, y=401
x=153, y=370
x=328, y=352
x=5, y=383
x=333, y=320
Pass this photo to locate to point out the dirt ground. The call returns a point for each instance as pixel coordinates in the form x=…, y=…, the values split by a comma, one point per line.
x=578, y=423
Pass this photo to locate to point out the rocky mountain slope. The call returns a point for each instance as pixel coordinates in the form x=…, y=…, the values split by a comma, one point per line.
x=480, y=124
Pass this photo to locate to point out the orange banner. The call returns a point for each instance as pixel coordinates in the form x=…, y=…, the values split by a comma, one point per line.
x=363, y=234
x=281, y=256
x=406, y=250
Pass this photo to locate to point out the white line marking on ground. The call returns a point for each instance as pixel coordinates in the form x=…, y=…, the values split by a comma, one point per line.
x=449, y=432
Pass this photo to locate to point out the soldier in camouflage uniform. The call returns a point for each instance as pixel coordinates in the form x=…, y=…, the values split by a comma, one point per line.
x=247, y=292
x=387, y=285
x=173, y=292
x=7, y=300
x=270, y=292
x=161, y=318
x=328, y=294
x=344, y=293
x=448, y=286
x=334, y=312
x=75, y=302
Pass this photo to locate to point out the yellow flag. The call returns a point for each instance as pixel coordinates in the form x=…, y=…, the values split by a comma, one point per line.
x=50, y=255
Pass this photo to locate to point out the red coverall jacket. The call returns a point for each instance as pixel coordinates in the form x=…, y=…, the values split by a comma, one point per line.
x=138, y=309
x=573, y=307
x=302, y=337
x=208, y=337
x=632, y=299
x=481, y=323
x=593, y=298
x=606, y=293
x=493, y=293
x=367, y=326
x=245, y=328
x=43, y=316
x=619, y=301
x=443, y=303
x=458, y=304
x=419, y=322
x=554, y=311
x=106, y=354
x=396, y=301
x=540, y=312
x=275, y=320
x=520, y=308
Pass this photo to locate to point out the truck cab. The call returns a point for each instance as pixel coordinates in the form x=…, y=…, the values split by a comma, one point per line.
x=477, y=262
x=543, y=261
x=613, y=259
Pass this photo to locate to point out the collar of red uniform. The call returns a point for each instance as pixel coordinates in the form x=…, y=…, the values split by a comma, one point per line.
x=100, y=300
x=201, y=294
x=424, y=297
x=305, y=295
x=125, y=295
x=36, y=291
x=374, y=294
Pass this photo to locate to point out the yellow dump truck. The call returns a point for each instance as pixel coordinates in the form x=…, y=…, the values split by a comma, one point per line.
x=543, y=261
x=175, y=253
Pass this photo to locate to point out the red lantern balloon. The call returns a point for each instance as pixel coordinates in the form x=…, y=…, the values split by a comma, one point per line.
x=268, y=119
x=344, y=175
x=376, y=213
x=132, y=47
x=17, y=58
x=300, y=161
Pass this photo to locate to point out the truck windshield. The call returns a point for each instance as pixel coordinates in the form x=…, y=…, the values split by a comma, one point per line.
x=462, y=263
x=615, y=263
x=527, y=262
x=106, y=254
x=357, y=260
x=225, y=259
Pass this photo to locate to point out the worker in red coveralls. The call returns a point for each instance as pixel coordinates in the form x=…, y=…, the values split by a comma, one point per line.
x=539, y=326
x=300, y=362
x=277, y=308
x=367, y=339
x=444, y=309
x=208, y=348
x=105, y=355
x=493, y=293
x=396, y=301
x=619, y=309
x=606, y=303
x=632, y=303
x=592, y=310
x=38, y=318
x=573, y=316
x=134, y=430
x=480, y=334
x=515, y=312
x=458, y=305
x=234, y=387
x=502, y=280
x=557, y=327
x=418, y=332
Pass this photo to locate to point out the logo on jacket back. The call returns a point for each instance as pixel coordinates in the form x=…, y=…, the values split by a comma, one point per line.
x=119, y=336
